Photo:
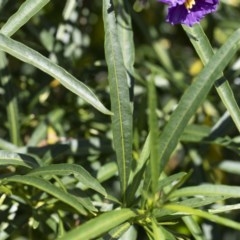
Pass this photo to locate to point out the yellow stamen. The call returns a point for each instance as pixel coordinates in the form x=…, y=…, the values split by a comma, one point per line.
x=189, y=4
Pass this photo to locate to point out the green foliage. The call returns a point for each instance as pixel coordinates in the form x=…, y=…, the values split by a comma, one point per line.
x=119, y=91
x=142, y=147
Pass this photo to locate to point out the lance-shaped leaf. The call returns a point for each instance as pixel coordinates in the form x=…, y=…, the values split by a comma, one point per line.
x=66, y=169
x=50, y=189
x=28, y=9
x=99, y=225
x=119, y=91
x=208, y=190
x=214, y=218
x=17, y=159
x=28, y=55
x=205, y=51
x=194, y=96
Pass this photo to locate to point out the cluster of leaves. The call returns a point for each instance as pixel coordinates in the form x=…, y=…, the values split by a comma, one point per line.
x=154, y=166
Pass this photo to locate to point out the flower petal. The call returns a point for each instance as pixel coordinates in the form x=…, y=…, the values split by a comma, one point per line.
x=205, y=5
x=173, y=3
x=180, y=15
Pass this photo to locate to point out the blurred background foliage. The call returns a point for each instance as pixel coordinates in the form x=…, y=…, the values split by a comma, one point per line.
x=59, y=127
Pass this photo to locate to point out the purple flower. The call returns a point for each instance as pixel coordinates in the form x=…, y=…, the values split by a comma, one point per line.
x=189, y=12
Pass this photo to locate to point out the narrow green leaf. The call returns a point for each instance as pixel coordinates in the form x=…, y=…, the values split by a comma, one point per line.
x=179, y=183
x=200, y=42
x=131, y=233
x=170, y=180
x=118, y=231
x=125, y=33
x=195, y=133
x=137, y=175
x=225, y=208
x=107, y=171
x=135, y=187
x=56, y=223
x=119, y=92
x=100, y=225
x=163, y=56
x=144, y=155
x=168, y=235
x=28, y=55
x=153, y=126
x=50, y=189
x=213, y=218
x=157, y=231
x=28, y=9
x=208, y=190
x=225, y=92
x=79, y=172
x=143, y=158
x=17, y=159
x=194, y=96
x=193, y=227
x=10, y=98
x=205, y=51
x=194, y=202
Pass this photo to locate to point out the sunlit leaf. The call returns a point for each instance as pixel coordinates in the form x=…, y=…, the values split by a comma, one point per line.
x=28, y=55
x=50, y=189
x=66, y=169
x=119, y=92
